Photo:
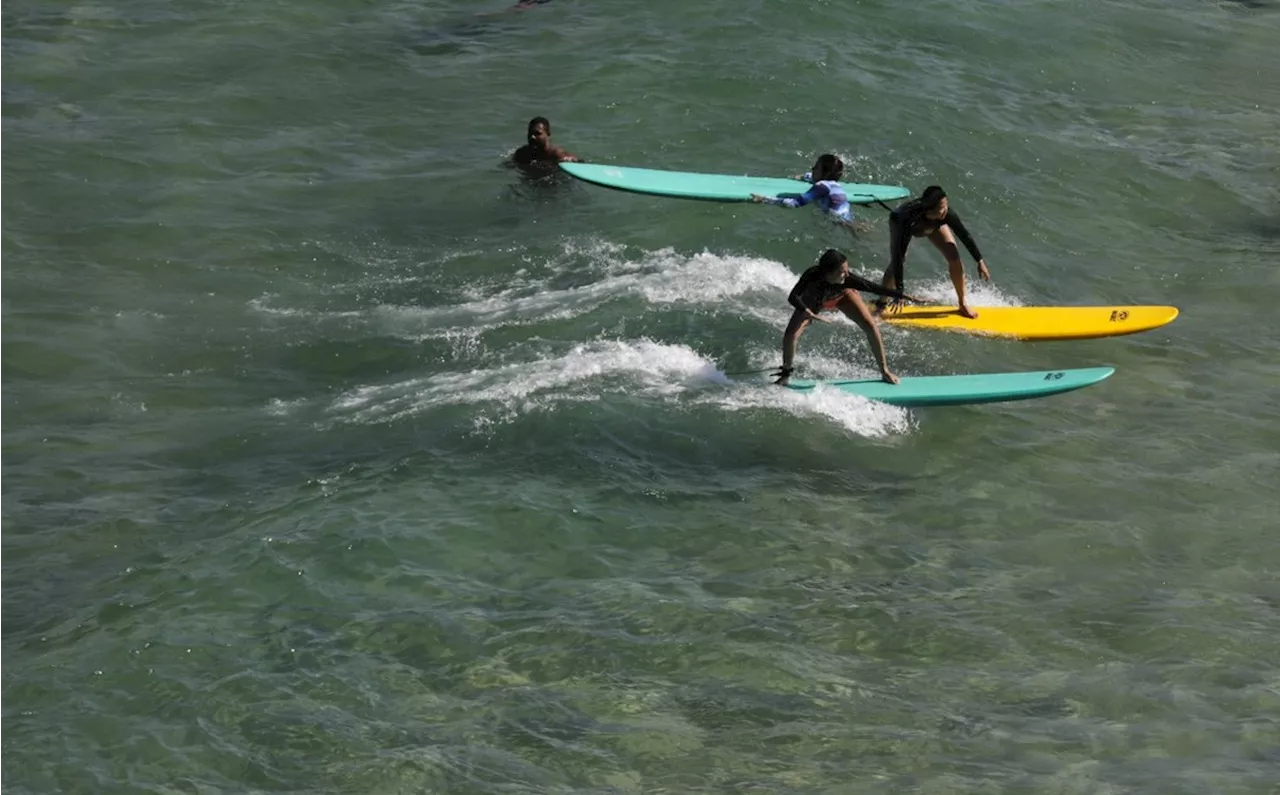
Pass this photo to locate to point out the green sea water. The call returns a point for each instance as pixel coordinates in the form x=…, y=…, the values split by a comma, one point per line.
x=340, y=458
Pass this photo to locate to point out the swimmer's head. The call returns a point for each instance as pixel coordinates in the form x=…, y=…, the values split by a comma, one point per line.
x=539, y=133
x=828, y=167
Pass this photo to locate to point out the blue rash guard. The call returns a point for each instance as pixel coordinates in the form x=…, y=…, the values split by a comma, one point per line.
x=828, y=194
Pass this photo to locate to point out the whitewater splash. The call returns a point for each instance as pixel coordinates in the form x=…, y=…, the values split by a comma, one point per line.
x=598, y=273
x=670, y=374
x=752, y=287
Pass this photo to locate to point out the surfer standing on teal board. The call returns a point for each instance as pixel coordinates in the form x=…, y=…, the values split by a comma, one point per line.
x=826, y=192
x=829, y=286
x=930, y=216
x=539, y=153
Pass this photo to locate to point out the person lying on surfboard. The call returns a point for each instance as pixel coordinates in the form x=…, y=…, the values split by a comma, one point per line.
x=540, y=154
x=829, y=286
x=826, y=192
x=930, y=216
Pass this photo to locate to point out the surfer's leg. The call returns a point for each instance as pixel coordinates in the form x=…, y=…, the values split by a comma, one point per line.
x=945, y=242
x=799, y=322
x=854, y=309
x=898, y=244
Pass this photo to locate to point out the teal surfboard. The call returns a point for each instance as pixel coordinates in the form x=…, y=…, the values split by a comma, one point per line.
x=715, y=187
x=958, y=390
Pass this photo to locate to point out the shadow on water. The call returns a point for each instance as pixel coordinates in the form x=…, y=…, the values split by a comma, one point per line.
x=1243, y=226
x=503, y=206
x=1259, y=231
x=547, y=185
x=452, y=36
x=1266, y=227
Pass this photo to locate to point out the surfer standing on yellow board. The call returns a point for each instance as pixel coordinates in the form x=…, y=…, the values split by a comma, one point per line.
x=930, y=216
x=829, y=286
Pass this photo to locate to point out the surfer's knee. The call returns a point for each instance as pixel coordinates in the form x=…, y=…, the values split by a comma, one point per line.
x=950, y=252
x=853, y=308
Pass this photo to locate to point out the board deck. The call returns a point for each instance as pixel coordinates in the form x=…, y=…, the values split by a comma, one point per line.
x=1036, y=323
x=957, y=390
x=715, y=187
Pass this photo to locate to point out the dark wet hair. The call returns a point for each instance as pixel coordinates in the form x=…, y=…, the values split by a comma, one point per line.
x=829, y=165
x=533, y=125
x=831, y=260
x=932, y=197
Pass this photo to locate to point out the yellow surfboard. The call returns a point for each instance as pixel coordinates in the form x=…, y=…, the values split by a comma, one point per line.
x=1036, y=322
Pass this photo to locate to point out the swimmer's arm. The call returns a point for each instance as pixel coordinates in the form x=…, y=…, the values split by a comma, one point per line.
x=798, y=199
x=564, y=156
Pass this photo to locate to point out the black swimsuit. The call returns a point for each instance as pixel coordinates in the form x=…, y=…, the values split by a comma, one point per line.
x=910, y=220
x=813, y=291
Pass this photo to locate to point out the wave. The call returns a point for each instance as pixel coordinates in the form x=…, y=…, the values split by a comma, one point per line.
x=747, y=286
x=671, y=374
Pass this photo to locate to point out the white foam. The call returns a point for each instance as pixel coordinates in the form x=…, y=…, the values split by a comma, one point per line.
x=855, y=414
x=977, y=293
x=710, y=277
x=750, y=287
x=646, y=367
x=662, y=372
x=753, y=287
x=262, y=304
x=279, y=407
x=593, y=249
x=660, y=277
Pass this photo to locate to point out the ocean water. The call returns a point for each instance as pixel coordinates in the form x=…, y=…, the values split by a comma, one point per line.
x=340, y=458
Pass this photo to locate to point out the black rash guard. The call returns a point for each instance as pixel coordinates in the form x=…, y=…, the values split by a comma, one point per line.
x=812, y=290
x=909, y=220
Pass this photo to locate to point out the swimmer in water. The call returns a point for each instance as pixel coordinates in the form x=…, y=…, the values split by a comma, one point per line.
x=826, y=192
x=539, y=154
x=930, y=216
